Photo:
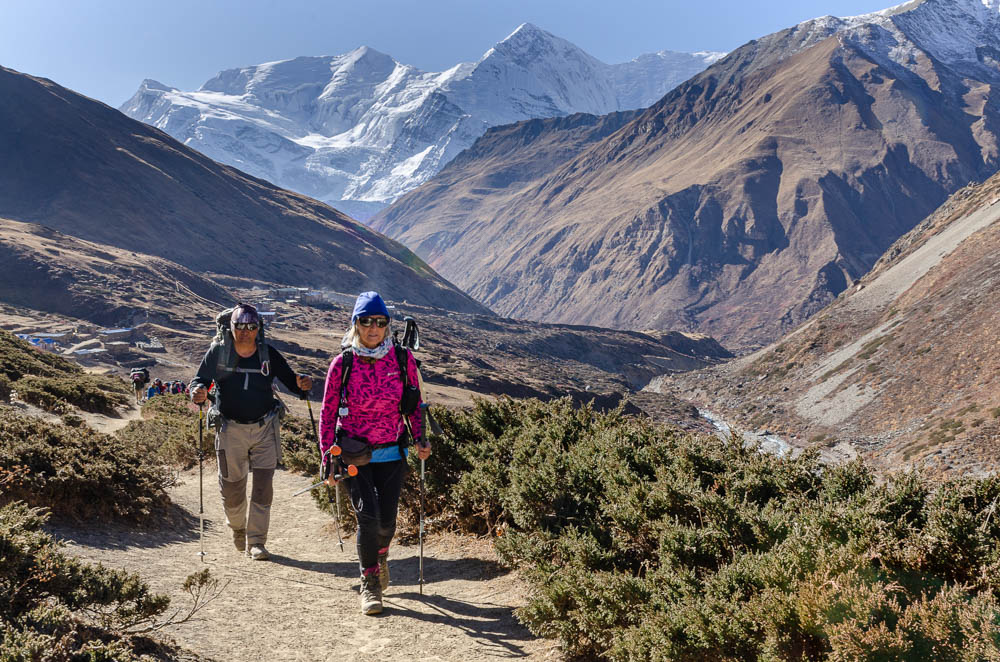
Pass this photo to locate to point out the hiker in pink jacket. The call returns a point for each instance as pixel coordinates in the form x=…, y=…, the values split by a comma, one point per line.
x=363, y=416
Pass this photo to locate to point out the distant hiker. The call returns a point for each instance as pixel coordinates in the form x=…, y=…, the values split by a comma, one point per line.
x=363, y=415
x=139, y=378
x=245, y=419
x=151, y=391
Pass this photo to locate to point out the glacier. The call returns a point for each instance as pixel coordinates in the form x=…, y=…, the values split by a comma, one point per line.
x=359, y=130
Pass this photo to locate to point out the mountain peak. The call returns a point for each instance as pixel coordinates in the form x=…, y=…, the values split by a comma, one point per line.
x=977, y=7
x=529, y=43
x=526, y=38
x=150, y=84
x=364, y=62
x=526, y=31
x=366, y=53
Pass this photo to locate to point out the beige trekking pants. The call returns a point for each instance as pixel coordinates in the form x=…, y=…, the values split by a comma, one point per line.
x=242, y=448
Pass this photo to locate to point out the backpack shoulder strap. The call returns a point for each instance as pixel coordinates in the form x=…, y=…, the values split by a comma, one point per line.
x=346, y=361
x=225, y=359
x=401, y=360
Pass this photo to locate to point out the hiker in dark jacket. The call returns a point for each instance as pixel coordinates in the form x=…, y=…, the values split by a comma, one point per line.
x=247, y=437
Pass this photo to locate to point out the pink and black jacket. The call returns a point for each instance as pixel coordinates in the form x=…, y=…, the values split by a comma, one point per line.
x=372, y=398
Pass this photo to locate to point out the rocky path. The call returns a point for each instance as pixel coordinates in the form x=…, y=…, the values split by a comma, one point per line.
x=303, y=604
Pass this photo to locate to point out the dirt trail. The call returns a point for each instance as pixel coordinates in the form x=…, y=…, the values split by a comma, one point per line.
x=107, y=425
x=303, y=604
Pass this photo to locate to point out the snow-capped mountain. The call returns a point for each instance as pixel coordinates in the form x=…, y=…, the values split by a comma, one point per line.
x=959, y=33
x=741, y=203
x=360, y=129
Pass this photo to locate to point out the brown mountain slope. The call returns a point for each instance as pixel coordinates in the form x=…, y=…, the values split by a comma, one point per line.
x=87, y=170
x=44, y=269
x=740, y=204
x=500, y=166
x=904, y=364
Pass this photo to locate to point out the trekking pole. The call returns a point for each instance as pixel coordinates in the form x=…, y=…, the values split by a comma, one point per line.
x=421, y=566
x=201, y=491
x=336, y=490
x=336, y=514
x=420, y=535
x=336, y=487
x=351, y=471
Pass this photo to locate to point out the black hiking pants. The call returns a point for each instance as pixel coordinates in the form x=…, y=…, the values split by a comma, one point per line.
x=375, y=500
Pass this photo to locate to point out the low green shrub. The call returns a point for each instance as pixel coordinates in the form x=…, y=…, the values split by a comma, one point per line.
x=29, y=391
x=300, y=453
x=53, y=382
x=298, y=446
x=72, y=420
x=18, y=358
x=168, y=431
x=88, y=392
x=648, y=543
x=77, y=472
x=54, y=607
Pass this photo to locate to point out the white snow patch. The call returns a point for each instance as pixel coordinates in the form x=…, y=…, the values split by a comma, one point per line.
x=365, y=126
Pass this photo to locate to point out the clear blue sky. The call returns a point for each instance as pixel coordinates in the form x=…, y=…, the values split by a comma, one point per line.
x=105, y=48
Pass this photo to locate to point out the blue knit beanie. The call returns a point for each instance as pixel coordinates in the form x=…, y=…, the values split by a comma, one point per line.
x=367, y=305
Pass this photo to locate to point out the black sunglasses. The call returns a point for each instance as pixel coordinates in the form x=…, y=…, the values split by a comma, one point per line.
x=380, y=322
x=246, y=326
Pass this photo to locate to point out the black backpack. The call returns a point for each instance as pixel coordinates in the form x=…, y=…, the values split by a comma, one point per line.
x=139, y=376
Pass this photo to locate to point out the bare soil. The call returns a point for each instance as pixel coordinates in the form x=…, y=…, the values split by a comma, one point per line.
x=303, y=603
x=901, y=368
